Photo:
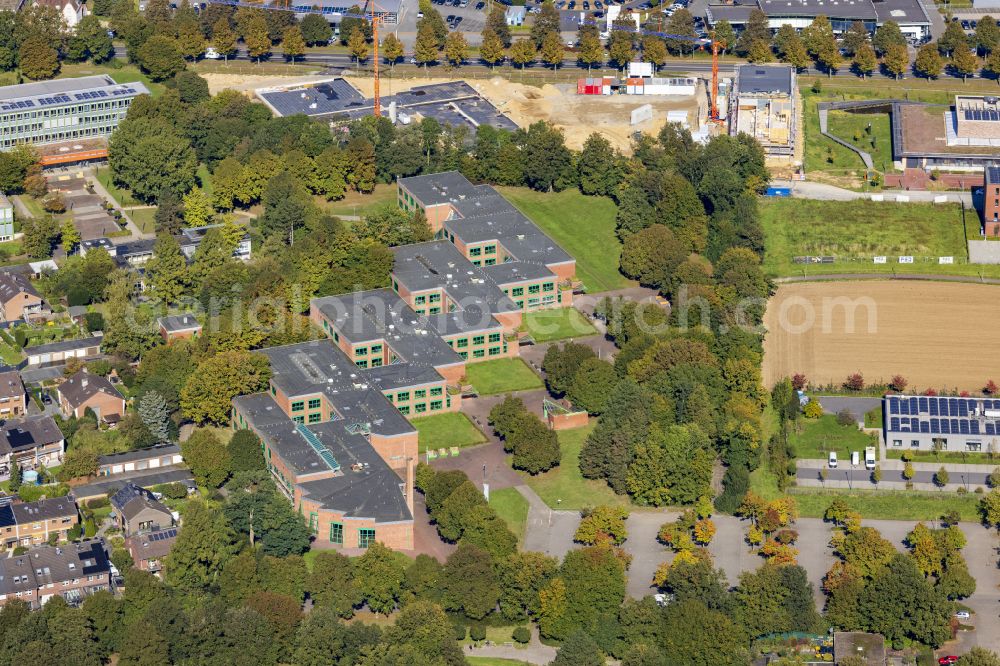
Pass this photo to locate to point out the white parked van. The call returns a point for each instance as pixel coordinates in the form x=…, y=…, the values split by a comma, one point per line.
x=855, y=458
x=870, y=457
x=832, y=461
x=212, y=54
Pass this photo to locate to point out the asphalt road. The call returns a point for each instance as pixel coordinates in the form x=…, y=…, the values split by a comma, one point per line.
x=673, y=67
x=861, y=478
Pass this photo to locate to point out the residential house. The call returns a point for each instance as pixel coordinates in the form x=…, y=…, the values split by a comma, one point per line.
x=13, y=396
x=136, y=510
x=18, y=297
x=32, y=441
x=60, y=352
x=176, y=327
x=73, y=571
x=32, y=523
x=72, y=11
x=85, y=391
x=162, y=455
x=150, y=548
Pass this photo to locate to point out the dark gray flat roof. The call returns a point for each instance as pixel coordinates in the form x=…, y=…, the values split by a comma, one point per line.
x=861, y=10
x=145, y=478
x=365, y=485
x=139, y=454
x=762, y=79
x=310, y=368
x=905, y=12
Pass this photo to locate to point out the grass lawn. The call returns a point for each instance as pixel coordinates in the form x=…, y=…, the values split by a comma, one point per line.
x=122, y=73
x=548, y=325
x=358, y=204
x=144, y=218
x=499, y=635
x=815, y=438
x=503, y=375
x=446, y=430
x=583, y=226
x=10, y=355
x=495, y=661
x=953, y=457
x=856, y=231
x=565, y=482
x=854, y=129
x=873, y=418
x=513, y=508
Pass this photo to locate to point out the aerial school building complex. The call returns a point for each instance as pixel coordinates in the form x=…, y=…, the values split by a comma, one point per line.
x=334, y=423
x=939, y=423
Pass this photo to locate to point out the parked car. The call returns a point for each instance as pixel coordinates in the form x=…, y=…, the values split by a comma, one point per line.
x=948, y=661
x=963, y=615
x=480, y=5
x=832, y=460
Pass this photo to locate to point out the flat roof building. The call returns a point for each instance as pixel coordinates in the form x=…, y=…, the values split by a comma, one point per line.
x=941, y=423
x=909, y=14
x=6, y=219
x=763, y=106
x=64, y=109
x=336, y=445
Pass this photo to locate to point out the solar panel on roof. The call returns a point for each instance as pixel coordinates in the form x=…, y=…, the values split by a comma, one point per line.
x=935, y=426
x=932, y=406
x=893, y=406
x=990, y=428
x=894, y=423
x=923, y=405
x=925, y=426
x=974, y=426
x=904, y=407
x=914, y=406
x=963, y=426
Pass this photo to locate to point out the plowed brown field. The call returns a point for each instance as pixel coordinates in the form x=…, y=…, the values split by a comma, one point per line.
x=937, y=335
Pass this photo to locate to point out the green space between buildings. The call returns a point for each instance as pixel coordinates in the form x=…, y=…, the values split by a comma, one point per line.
x=950, y=457
x=513, y=508
x=564, y=487
x=856, y=231
x=583, y=226
x=870, y=132
x=121, y=73
x=815, y=438
x=356, y=204
x=502, y=375
x=557, y=324
x=446, y=430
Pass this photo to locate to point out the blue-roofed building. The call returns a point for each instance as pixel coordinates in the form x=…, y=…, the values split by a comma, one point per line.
x=61, y=110
x=942, y=423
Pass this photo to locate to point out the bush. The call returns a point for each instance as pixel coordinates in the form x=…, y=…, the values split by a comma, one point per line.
x=93, y=321
x=854, y=382
x=845, y=418
x=813, y=410
x=20, y=550
x=735, y=484
x=98, y=503
x=460, y=631
x=90, y=528
x=477, y=632
x=521, y=635
x=173, y=490
x=75, y=532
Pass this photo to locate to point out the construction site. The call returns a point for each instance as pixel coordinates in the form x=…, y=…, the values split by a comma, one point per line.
x=763, y=105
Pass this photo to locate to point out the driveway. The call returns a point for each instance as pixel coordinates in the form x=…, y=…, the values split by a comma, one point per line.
x=834, y=404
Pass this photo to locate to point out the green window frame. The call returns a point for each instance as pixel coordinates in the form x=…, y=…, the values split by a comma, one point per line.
x=298, y=419
x=404, y=409
x=366, y=537
x=403, y=396
x=519, y=304
x=434, y=310
x=274, y=391
x=534, y=288
x=361, y=351
x=315, y=403
x=479, y=353
x=298, y=406
x=532, y=302
x=376, y=363
x=376, y=349
x=548, y=286
x=462, y=343
x=420, y=407
x=419, y=393
x=361, y=364
x=464, y=355
x=436, y=391
x=490, y=249
x=390, y=397
x=336, y=336
x=490, y=262
x=494, y=337
x=315, y=417
x=517, y=291
x=395, y=286
x=313, y=522
x=477, y=263
x=436, y=405
x=494, y=351
x=434, y=298
x=421, y=311
x=419, y=300
x=475, y=251
x=479, y=339
x=337, y=533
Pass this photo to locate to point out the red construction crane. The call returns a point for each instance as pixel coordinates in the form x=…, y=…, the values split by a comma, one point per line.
x=376, y=20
